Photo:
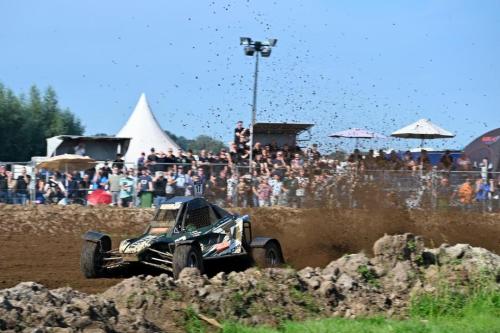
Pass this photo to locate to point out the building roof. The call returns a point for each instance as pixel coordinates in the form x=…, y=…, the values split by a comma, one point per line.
x=280, y=128
x=89, y=138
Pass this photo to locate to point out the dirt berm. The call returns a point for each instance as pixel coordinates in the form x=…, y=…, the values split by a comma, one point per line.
x=354, y=285
x=43, y=243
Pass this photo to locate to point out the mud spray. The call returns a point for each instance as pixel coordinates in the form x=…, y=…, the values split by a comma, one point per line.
x=42, y=243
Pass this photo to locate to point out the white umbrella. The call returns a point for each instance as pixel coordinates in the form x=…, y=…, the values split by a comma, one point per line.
x=422, y=129
x=357, y=133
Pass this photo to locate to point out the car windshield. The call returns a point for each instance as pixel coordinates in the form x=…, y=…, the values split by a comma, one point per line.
x=163, y=221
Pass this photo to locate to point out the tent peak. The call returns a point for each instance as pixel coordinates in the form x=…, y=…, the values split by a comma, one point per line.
x=145, y=131
x=143, y=100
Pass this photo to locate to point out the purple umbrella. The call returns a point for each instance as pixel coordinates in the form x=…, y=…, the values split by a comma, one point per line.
x=357, y=133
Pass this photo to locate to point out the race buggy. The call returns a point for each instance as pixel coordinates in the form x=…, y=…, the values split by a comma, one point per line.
x=185, y=232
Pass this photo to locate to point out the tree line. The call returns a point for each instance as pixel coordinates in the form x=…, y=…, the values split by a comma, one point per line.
x=200, y=142
x=27, y=120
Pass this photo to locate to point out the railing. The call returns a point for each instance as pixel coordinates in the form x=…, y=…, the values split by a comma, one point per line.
x=341, y=188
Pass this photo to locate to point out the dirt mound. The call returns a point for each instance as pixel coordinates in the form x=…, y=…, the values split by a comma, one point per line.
x=314, y=237
x=354, y=285
x=43, y=243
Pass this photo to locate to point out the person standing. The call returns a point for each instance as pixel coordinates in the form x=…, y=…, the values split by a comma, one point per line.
x=465, y=194
x=238, y=133
x=277, y=189
x=443, y=194
x=72, y=187
x=79, y=149
x=145, y=184
x=151, y=160
x=242, y=189
x=127, y=190
x=213, y=190
x=446, y=160
x=464, y=163
x=484, y=193
x=204, y=162
x=3, y=185
x=170, y=159
x=195, y=187
x=264, y=193
x=232, y=186
x=115, y=186
x=290, y=184
x=22, y=183
x=105, y=169
x=119, y=162
x=171, y=185
x=159, y=189
x=302, y=186
x=181, y=181
x=141, y=161
x=485, y=168
x=161, y=162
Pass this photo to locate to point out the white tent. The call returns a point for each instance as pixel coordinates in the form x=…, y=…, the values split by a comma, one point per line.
x=422, y=129
x=145, y=132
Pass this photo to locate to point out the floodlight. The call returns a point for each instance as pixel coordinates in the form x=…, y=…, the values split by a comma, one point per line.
x=272, y=42
x=265, y=51
x=245, y=41
x=249, y=50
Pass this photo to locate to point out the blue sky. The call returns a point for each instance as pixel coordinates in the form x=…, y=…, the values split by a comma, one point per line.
x=338, y=64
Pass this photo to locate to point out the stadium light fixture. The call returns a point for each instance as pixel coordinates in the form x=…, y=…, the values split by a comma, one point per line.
x=245, y=41
x=254, y=48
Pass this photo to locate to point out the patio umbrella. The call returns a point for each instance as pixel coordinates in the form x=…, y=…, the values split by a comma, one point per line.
x=67, y=162
x=422, y=129
x=357, y=133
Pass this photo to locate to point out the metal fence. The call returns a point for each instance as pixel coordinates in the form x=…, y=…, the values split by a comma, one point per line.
x=232, y=186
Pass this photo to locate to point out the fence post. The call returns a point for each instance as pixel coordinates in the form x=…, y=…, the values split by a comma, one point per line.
x=136, y=184
x=33, y=184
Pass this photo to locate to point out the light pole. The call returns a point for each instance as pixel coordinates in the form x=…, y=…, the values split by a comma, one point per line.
x=252, y=48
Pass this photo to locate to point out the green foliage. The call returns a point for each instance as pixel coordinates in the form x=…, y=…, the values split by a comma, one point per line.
x=480, y=296
x=25, y=123
x=192, y=324
x=237, y=303
x=200, y=142
x=173, y=295
x=471, y=324
x=412, y=246
x=473, y=309
x=304, y=299
x=368, y=275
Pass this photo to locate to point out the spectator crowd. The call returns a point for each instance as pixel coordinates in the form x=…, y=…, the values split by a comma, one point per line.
x=276, y=176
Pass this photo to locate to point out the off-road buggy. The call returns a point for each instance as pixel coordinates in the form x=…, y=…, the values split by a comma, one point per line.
x=185, y=232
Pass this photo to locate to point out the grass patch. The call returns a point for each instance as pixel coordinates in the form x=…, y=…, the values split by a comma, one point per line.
x=475, y=310
x=192, y=324
x=475, y=324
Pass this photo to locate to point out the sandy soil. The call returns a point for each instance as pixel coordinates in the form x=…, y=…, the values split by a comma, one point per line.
x=42, y=243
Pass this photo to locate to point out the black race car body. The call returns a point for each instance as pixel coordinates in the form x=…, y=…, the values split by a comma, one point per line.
x=185, y=232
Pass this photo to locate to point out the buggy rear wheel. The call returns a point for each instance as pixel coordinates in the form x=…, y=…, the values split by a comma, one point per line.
x=187, y=255
x=269, y=255
x=91, y=259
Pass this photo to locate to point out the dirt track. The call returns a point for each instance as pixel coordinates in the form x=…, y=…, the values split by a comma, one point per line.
x=42, y=244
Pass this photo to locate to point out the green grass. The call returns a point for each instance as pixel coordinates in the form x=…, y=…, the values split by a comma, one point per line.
x=445, y=312
x=475, y=324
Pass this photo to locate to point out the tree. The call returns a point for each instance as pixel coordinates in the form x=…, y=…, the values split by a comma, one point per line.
x=200, y=142
x=25, y=123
